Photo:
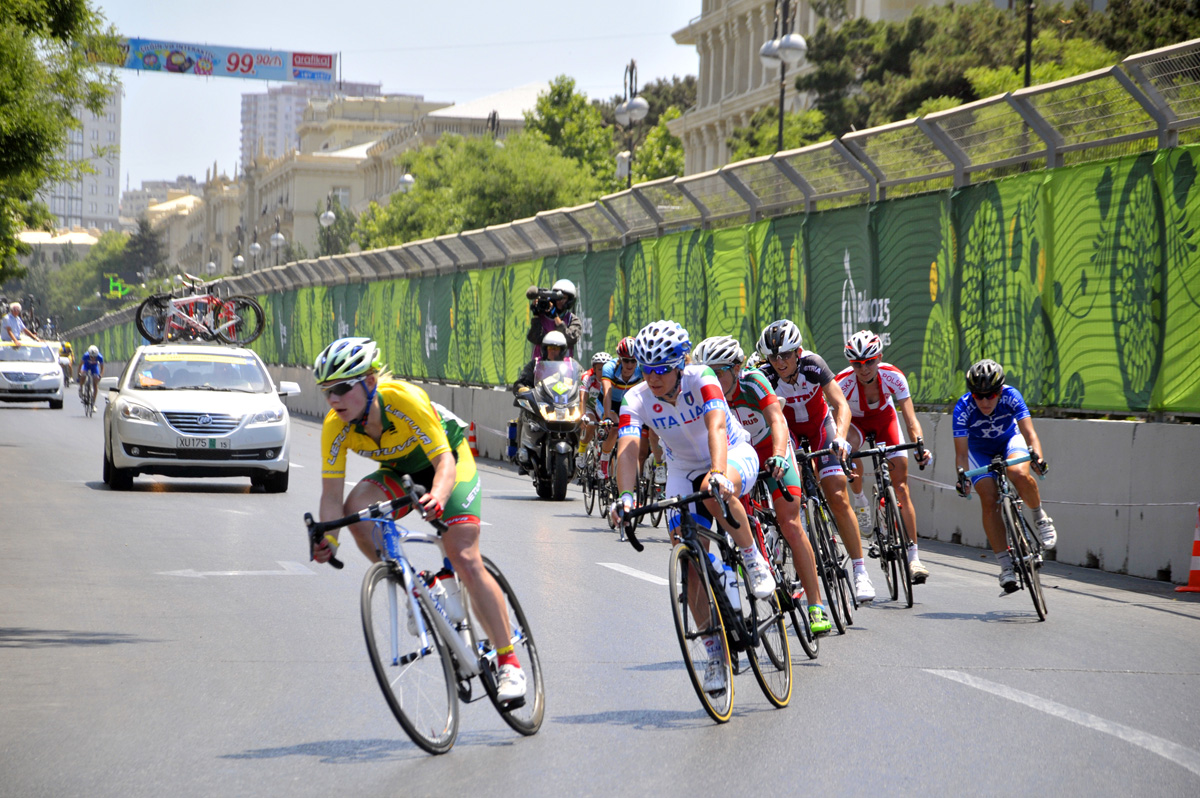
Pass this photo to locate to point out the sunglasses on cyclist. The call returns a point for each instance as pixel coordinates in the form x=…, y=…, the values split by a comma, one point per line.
x=985, y=396
x=864, y=362
x=340, y=388
x=629, y=360
x=659, y=370
x=782, y=356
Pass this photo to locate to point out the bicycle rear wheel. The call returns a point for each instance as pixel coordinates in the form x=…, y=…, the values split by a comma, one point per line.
x=771, y=659
x=239, y=320
x=525, y=718
x=898, y=540
x=417, y=678
x=589, y=482
x=686, y=580
x=1030, y=558
x=788, y=587
x=826, y=564
x=151, y=317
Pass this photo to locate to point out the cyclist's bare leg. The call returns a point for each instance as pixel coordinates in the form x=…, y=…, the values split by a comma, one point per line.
x=899, y=468
x=787, y=513
x=461, y=542
x=838, y=497
x=361, y=495
x=993, y=523
x=643, y=452
x=1027, y=487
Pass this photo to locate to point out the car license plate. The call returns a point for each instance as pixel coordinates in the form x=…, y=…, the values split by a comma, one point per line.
x=203, y=443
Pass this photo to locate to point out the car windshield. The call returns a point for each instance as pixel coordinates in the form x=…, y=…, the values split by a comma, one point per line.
x=27, y=354
x=204, y=371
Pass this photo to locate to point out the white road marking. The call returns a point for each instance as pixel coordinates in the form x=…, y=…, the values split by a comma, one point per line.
x=289, y=569
x=235, y=512
x=625, y=569
x=1180, y=755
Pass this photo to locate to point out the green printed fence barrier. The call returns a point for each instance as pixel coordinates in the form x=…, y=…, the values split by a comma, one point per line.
x=1083, y=281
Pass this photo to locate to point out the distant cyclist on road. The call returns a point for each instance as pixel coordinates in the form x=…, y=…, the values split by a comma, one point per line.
x=593, y=393
x=877, y=393
x=91, y=364
x=394, y=423
x=990, y=419
x=618, y=376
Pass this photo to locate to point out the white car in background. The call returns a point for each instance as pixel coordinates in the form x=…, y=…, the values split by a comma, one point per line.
x=194, y=410
x=30, y=373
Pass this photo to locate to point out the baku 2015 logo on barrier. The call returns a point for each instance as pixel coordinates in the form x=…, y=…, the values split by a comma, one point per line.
x=859, y=309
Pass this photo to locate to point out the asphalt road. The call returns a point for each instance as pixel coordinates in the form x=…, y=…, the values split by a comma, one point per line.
x=174, y=641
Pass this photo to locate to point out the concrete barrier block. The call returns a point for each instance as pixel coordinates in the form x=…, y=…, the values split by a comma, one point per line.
x=1161, y=471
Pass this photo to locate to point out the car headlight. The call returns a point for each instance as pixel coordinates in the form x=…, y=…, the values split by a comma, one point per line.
x=49, y=377
x=274, y=416
x=136, y=412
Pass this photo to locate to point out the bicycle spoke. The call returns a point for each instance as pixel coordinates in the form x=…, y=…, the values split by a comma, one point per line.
x=691, y=597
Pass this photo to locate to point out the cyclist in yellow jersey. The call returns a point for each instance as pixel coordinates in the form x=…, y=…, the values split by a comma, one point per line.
x=394, y=423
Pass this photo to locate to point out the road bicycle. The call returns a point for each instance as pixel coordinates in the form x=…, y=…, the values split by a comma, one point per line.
x=833, y=563
x=702, y=611
x=589, y=476
x=196, y=314
x=425, y=657
x=1024, y=546
x=890, y=546
x=790, y=593
x=87, y=394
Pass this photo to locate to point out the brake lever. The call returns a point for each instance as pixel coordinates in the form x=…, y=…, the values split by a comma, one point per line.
x=314, y=538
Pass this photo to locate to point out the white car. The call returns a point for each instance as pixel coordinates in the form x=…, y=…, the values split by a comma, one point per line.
x=30, y=373
x=194, y=410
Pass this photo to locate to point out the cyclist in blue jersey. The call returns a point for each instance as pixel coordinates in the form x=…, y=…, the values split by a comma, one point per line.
x=990, y=419
x=618, y=376
x=91, y=364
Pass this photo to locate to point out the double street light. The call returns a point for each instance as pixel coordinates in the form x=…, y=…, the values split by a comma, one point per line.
x=785, y=50
x=277, y=240
x=631, y=110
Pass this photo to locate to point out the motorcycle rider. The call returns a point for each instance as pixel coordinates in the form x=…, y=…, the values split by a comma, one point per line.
x=556, y=315
x=553, y=347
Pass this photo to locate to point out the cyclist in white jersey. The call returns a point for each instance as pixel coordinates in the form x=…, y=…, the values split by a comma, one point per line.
x=704, y=444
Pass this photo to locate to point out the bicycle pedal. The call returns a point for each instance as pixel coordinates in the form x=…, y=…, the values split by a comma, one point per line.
x=873, y=551
x=516, y=703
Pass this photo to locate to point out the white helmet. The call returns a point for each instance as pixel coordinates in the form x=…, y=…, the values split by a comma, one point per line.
x=754, y=361
x=719, y=351
x=778, y=338
x=567, y=287
x=93, y=350
x=555, y=338
x=661, y=343
x=864, y=345
x=601, y=358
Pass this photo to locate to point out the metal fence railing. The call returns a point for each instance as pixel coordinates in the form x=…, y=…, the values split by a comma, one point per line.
x=1147, y=100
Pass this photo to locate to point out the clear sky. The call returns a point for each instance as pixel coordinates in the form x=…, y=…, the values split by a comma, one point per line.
x=447, y=51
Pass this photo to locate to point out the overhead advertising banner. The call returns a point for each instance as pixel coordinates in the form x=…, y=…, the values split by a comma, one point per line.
x=154, y=55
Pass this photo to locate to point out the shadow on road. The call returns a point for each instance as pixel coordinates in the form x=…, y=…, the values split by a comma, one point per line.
x=178, y=487
x=11, y=637
x=349, y=752
x=1006, y=616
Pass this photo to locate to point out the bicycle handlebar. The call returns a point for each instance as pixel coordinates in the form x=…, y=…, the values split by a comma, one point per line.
x=883, y=451
x=666, y=504
x=975, y=472
x=765, y=473
x=377, y=511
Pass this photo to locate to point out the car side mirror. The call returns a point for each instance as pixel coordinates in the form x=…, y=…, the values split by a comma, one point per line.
x=288, y=388
x=108, y=384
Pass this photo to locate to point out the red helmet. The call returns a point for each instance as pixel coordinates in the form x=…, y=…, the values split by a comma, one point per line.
x=625, y=348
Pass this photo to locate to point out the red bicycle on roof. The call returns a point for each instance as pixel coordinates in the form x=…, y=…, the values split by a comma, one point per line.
x=194, y=314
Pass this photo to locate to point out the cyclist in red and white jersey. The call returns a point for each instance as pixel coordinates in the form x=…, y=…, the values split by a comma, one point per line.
x=816, y=409
x=875, y=391
x=705, y=447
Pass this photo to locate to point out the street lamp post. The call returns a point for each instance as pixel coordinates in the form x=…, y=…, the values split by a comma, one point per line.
x=277, y=240
x=255, y=249
x=786, y=49
x=632, y=109
x=327, y=218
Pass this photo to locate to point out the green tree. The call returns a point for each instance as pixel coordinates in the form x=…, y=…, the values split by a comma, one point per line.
x=1133, y=26
x=335, y=239
x=46, y=78
x=144, y=253
x=660, y=154
x=566, y=121
x=469, y=183
x=761, y=136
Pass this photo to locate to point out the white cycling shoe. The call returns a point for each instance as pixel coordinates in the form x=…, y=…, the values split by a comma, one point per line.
x=714, y=675
x=511, y=684
x=1047, y=532
x=762, y=584
x=864, y=591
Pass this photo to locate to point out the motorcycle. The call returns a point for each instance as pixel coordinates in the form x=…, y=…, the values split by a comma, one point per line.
x=550, y=417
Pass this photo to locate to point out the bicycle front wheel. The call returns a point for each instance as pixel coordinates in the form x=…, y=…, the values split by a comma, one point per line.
x=697, y=622
x=827, y=565
x=1031, y=560
x=771, y=659
x=589, y=483
x=416, y=676
x=898, y=540
x=239, y=320
x=151, y=317
x=796, y=610
x=525, y=718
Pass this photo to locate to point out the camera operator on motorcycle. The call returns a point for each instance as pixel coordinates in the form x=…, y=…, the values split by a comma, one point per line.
x=551, y=310
x=548, y=391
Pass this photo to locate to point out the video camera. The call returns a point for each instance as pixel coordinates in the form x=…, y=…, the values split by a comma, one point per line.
x=542, y=300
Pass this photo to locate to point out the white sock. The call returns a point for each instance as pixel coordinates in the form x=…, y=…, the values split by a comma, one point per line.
x=859, y=566
x=860, y=500
x=750, y=554
x=1005, y=559
x=1038, y=513
x=912, y=552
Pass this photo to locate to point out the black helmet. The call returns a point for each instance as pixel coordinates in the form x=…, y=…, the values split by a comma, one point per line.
x=986, y=376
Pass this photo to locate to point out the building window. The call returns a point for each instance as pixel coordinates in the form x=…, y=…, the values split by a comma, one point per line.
x=92, y=188
x=112, y=135
x=108, y=171
x=91, y=207
x=342, y=195
x=111, y=117
x=95, y=134
x=108, y=191
x=108, y=209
